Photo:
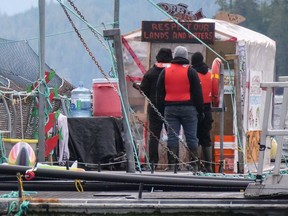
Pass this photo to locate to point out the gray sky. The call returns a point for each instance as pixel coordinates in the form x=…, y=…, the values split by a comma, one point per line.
x=11, y=7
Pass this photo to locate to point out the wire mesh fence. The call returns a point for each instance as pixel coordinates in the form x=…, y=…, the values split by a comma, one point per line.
x=19, y=68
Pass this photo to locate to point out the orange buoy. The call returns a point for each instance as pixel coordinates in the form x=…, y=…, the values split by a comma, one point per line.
x=215, y=75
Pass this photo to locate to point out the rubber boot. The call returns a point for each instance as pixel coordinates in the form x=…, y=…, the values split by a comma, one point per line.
x=207, y=155
x=172, y=161
x=194, y=156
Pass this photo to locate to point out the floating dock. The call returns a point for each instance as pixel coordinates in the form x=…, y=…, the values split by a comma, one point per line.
x=151, y=203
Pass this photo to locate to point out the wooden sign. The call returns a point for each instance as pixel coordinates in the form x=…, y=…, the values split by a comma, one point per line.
x=171, y=32
x=181, y=12
x=232, y=18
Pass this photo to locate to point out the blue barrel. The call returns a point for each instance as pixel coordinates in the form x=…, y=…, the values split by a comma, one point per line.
x=81, y=102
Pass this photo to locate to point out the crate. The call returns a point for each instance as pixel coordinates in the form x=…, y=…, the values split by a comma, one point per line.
x=228, y=153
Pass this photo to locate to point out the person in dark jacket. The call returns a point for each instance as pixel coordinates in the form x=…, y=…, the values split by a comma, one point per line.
x=148, y=86
x=205, y=125
x=179, y=92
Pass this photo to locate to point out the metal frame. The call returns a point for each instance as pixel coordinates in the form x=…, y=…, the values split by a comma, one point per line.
x=275, y=184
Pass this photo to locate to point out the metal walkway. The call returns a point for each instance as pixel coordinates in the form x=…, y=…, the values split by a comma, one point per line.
x=157, y=202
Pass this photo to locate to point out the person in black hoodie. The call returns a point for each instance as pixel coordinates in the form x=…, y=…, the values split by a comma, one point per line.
x=148, y=86
x=179, y=93
x=205, y=125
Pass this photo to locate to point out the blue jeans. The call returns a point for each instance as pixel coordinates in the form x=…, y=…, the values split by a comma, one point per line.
x=187, y=117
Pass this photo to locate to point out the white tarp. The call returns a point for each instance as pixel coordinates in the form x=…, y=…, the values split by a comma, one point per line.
x=256, y=53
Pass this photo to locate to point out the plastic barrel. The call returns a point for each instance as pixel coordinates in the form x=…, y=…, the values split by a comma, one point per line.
x=106, y=101
x=81, y=102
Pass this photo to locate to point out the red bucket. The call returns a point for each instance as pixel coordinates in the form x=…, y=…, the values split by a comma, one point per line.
x=106, y=101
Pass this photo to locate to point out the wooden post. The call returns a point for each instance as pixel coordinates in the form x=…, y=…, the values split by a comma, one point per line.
x=116, y=36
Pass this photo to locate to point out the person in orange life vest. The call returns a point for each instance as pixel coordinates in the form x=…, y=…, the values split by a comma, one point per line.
x=148, y=86
x=205, y=125
x=179, y=92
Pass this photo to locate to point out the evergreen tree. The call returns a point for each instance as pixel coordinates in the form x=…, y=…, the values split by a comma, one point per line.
x=277, y=30
x=267, y=17
x=250, y=9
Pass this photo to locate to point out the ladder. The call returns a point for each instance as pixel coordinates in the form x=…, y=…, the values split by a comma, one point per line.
x=276, y=183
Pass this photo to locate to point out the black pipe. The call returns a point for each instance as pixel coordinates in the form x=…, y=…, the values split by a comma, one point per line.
x=215, y=177
x=69, y=185
x=167, y=175
x=124, y=178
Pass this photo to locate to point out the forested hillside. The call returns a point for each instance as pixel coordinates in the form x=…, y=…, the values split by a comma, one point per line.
x=66, y=54
x=268, y=17
x=64, y=51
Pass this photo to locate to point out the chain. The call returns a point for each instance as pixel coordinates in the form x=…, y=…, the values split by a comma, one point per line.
x=167, y=124
x=93, y=30
x=115, y=89
x=85, y=44
x=154, y=136
x=87, y=48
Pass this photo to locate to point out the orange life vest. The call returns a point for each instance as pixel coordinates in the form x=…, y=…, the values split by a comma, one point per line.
x=206, y=84
x=177, y=84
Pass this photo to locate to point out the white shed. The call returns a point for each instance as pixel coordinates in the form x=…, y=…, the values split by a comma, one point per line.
x=255, y=61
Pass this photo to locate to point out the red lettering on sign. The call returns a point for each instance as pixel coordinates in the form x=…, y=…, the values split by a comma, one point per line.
x=201, y=27
x=145, y=36
x=154, y=26
x=167, y=26
x=173, y=26
x=172, y=32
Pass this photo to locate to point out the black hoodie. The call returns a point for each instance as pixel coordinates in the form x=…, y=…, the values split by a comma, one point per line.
x=201, y=68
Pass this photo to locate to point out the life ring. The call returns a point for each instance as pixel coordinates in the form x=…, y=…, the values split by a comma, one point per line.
x=215, y=76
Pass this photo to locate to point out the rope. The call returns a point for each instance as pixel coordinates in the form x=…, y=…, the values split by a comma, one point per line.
x=126, y=117
x=3, y=158
x=23, y=208
x=166, y=123
x=97, y=64
x=12, y=207
x=15, y=194
x=54, y=34
x=19, y=177
x=183, y=27
x=227, y=63
x=101, y=70
x=78, y=185
x=80, y=16
x=14, y=204
x=21, y=117
x=139, y=136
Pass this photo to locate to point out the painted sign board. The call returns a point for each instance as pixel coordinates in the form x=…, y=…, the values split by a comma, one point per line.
x=171, y=32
